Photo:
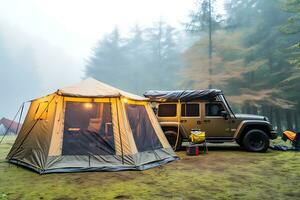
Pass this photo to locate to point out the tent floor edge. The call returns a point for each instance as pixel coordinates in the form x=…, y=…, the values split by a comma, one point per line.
x=26, y=165
x=94, y=169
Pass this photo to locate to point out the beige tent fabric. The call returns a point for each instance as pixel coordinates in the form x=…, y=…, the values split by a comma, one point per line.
x=57, y=133
x=32, y=143
x=93, y=88
x=40, y=144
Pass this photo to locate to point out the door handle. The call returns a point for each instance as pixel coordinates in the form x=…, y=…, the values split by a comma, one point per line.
x=183, y=120
x=206, y=120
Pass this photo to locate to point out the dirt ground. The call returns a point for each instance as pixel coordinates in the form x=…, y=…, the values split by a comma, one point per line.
x=226, y=172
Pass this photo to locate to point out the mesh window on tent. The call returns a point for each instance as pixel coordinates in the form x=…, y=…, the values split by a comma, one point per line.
x=143, y=132
x=88, y=129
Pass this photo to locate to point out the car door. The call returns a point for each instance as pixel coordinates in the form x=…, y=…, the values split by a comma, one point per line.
x=215, y=125
x=190, y=116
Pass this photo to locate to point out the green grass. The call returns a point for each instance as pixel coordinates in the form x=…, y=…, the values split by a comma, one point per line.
x=226, y=172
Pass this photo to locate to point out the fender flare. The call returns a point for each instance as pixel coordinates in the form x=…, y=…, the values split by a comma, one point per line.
x=246, y=123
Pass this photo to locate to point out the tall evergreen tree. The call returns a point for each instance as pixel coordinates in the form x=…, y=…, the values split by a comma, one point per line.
x=204, y=19
x=146, y=59
x=109, y=62
x=164, y=54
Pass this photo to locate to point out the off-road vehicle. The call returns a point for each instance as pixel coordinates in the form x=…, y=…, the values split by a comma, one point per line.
x=208, y=110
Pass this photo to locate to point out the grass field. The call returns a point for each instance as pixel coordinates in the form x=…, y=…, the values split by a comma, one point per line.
x=226, y=172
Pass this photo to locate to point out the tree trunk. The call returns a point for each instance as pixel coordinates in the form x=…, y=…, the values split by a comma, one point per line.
x=248, y=109
x=289, y=122
x=254, y=110
x=271, y=114
x=263, y=110
x=210, y=43
x=296, y=121
x=278, y=120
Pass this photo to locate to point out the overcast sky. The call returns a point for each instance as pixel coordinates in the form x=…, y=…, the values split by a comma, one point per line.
x=75, y=25
x=63, y=32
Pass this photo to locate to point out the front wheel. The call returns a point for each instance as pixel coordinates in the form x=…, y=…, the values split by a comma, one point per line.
x=172, y=137
x=256, y=141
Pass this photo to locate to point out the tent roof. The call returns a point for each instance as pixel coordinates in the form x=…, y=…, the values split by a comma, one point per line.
x=182, y=95
x=93, y=88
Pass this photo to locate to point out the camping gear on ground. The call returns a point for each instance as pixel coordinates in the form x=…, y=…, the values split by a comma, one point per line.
x=194, y=149
x=90, y=126
x=293, y=137
x=196, y=139
x=197, y=136
x=283, y=148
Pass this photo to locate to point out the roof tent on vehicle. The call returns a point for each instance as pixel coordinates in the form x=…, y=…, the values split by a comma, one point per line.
x=90, y=126
x=182, y=95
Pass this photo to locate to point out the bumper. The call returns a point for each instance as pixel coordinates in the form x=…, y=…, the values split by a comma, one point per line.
x=273, y=135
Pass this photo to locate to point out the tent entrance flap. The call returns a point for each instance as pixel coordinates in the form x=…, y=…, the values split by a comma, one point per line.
x=143, y=132
x=88, y=129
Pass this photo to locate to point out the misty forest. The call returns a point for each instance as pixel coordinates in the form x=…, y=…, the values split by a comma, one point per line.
x=251, y=52
x=150, y=99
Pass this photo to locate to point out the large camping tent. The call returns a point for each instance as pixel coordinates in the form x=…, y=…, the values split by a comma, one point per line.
x=90, y=126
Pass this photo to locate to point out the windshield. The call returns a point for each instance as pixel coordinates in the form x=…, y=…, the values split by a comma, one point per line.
x=223, y=99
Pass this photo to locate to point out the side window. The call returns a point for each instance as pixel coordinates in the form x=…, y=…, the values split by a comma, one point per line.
x=41, y=111
x=190, y=110
x=213, y=109
x=167, y=110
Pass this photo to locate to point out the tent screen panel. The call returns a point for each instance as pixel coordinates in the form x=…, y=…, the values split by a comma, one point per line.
x=167, y=110
x=88, y=129
x=143, y=132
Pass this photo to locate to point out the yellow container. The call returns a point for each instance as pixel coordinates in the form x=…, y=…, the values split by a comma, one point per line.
x=197, y=136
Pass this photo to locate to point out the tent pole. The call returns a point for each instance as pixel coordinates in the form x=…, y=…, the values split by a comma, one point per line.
x=20, y=117
x=121, y=143
x=178, y=125
x=6, y=132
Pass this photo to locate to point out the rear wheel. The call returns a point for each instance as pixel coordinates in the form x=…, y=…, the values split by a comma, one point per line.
x=256, y=140
x=172, y=137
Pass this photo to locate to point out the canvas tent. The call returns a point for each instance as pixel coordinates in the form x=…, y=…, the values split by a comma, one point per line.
x=90, y=126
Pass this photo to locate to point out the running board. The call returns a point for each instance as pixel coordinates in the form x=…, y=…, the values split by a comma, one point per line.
x=216, y=139
x=219, y=140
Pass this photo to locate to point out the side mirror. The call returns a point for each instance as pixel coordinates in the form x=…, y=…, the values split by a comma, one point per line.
x=224, y=114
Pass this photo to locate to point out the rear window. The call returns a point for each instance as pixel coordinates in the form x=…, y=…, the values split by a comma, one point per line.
x=167, y=110
x=190, y=110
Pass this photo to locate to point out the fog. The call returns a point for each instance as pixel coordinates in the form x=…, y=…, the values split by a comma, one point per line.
x=47, y=43
x=137, y=45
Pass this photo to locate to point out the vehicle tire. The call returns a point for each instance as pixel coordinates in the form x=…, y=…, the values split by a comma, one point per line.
x=171, y=137
x=256, y=140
